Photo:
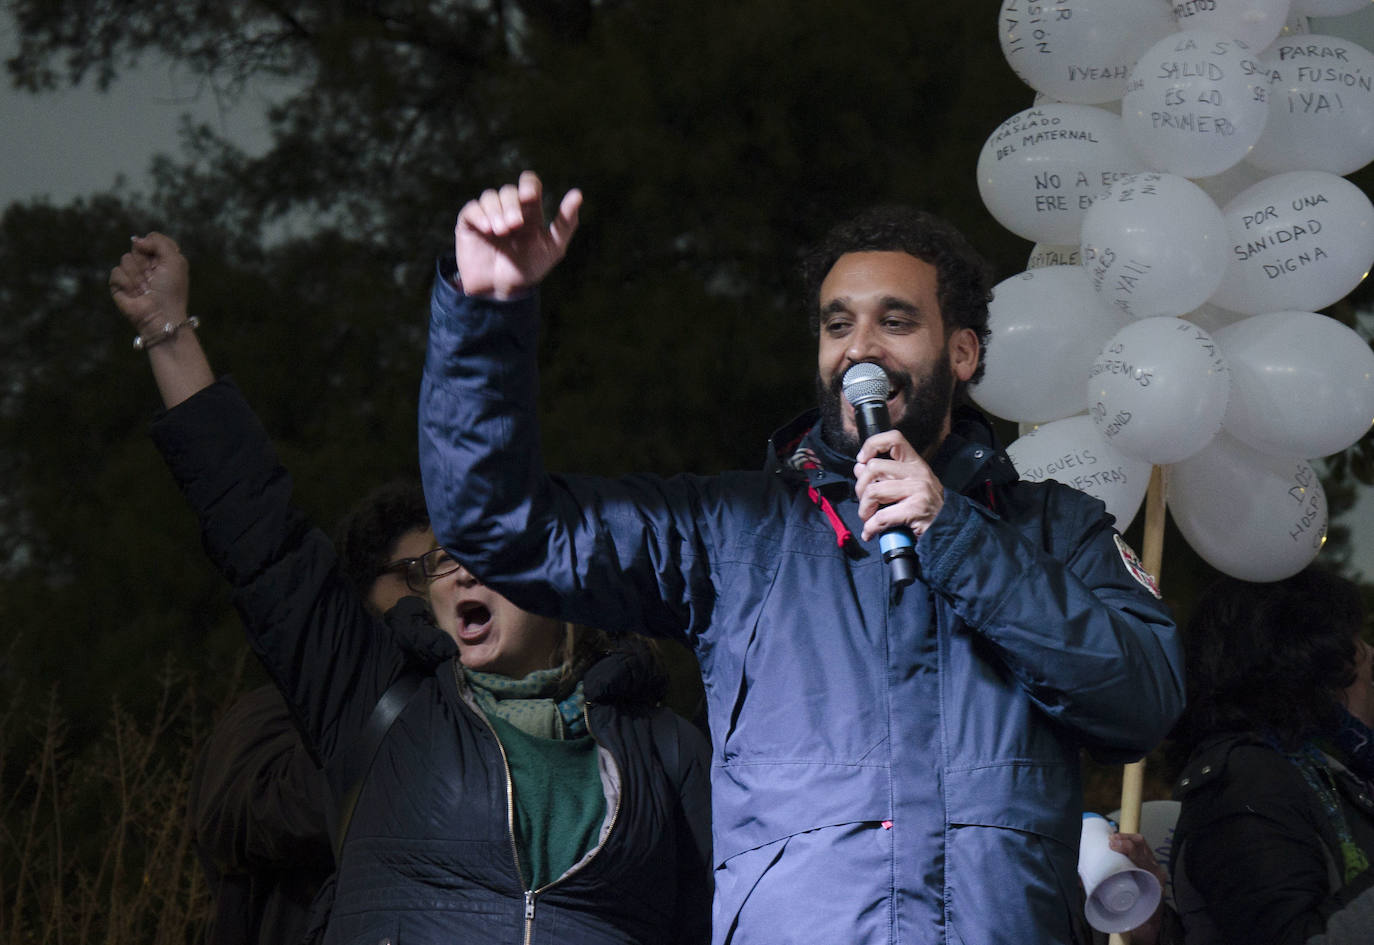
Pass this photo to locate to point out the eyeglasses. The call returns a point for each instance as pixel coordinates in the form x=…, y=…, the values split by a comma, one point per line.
x=419, y=572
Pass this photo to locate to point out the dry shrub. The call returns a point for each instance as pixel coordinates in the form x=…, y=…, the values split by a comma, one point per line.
x=96, y=844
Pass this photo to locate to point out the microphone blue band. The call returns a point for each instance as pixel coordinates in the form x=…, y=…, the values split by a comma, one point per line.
x=895, y=540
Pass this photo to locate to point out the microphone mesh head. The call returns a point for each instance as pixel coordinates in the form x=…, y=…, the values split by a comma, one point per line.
x=865, y=383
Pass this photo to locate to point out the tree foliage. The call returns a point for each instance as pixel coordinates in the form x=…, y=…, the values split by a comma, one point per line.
x=712, y=139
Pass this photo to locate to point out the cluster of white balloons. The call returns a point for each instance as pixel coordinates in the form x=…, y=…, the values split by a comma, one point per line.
x=1181, y=177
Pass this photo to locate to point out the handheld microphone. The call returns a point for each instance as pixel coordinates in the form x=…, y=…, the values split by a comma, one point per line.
x=866, y=387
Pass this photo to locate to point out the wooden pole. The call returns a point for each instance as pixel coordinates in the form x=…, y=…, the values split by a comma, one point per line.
x=1152, y=553
x=1152, y=557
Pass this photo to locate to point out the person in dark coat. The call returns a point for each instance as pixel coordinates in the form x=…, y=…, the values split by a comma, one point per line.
x=1275, y=833
x=530, y=788
x=260, y=806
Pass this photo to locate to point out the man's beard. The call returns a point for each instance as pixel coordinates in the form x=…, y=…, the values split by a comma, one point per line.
x=927, y=406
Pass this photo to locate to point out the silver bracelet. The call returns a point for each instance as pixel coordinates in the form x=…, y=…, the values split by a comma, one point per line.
x=167, y=333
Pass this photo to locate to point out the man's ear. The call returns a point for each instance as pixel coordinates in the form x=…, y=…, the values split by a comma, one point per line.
x=964, y=353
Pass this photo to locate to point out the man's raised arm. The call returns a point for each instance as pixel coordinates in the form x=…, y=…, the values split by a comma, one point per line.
x=628, y=554
x=502, y=244
x=480, y=457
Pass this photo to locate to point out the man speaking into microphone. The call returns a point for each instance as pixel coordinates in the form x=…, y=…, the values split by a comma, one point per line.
x=892, y=762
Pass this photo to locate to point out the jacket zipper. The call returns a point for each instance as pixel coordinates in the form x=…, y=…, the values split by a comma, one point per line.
x=510, y=820
x=531, y=894
x=510, y=794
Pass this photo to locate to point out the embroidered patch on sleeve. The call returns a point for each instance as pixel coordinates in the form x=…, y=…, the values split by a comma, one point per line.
x=1133, y=565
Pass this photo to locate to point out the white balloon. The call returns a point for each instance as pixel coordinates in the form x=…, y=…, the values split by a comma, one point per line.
x=1295, y=25
x=1040, y=169
x=1254, y=22
x=1302, y=384
x=1050, y=254
x=1040, y=100
x=1299, y=241
x=1079, y=50
x=1249, y=515
x=1328, y=7
x=1158, y=390
x=1224, y=186
x=1046, y=325
x=1154, y=244
x=1070, y=451
x=1195, y=103
x=1321, y=106
x=1211, y=319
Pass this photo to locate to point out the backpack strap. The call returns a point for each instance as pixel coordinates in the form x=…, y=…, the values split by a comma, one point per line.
x=389, y=706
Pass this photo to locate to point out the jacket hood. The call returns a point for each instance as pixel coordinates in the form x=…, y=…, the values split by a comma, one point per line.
x=624, y=677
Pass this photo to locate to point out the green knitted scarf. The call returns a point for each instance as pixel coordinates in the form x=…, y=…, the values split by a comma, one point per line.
x=531, y=703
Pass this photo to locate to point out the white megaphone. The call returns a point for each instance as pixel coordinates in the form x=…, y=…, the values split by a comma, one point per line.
x=1120, y=895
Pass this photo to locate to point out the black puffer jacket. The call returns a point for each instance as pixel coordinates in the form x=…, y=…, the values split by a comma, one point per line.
x=430, y=854
x=1256, y=857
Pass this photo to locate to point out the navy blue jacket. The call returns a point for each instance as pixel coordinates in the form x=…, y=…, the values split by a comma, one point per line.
x=885, y=768
x=430, y=852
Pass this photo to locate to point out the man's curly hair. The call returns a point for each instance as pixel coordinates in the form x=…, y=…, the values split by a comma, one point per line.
x=964, y=285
